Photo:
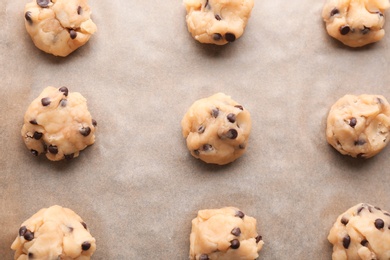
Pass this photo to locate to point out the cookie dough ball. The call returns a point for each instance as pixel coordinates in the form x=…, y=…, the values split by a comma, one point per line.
x=59, y=26
x=362, y=232
x=355, y=22
x=225, y=233
x=54, y=233
x=58, y=124
x=359, y=125
x=217, y=129
x=217, y=21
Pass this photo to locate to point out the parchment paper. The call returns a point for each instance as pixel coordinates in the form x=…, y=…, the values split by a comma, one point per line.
x=137, y=187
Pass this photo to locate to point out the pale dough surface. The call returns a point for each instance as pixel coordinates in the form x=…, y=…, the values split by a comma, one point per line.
x=359, y=125
x=215, y=233
x=54, y=233
x=361, y=233
x=59, y=26
x=355, y=22
x=217, y=21
x=217, y=129
x=59, y=124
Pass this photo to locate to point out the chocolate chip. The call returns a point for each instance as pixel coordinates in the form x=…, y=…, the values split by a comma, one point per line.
x=360, y=209
x=34, y=152
x=206, y=4
x=70, y=229
x=360, y=142
x=64, y=90
x=43, y=3
x=63, y=102
x=365, y=30
x=379, y=223
x=30, y=255
x=84, y=225
x=207, y=147
x=230, y=37
x=33, y=122
x=45, y=101
x=346, y=241
x=196, y=152
x=235, y=244
x=364, y=242
x=232, y=134
x=218, y=17
x=387, y=214
x=239, y=107
x=28, y=18
x=201, y=129
x=73, y=34
x=334, y=11
x=217, y=36
x=69, y=156
x=45, y=147
x=85, y=131
x=22, y=230
x=236, y=231
x=231, y=117
x=380, y=13
x=240, y=214
x=79, y=10
x=203, y=257
x=28, y=235
x=352, y=122
x=215, y=112
x=94, y=123
x=37, y=135
x=344, y=29
x=259, y=238
x=344, y=221
x=53, y=149
x=241, y=146
x=361, y=156
x=85, y=245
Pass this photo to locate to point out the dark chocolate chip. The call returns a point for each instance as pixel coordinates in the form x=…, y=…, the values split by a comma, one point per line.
x=344, y=29
x=34, y=152
x=230, y=37
x=73, y=34
x=37, y=135
x=259, y=238
x=63, y=102
x=236, y=231
x=240, y=214
x=33, y=122
x=207, y=147
x=201, y=129
x=235, y=244
x=346, y=241
x=206, y=4
x=30, y=255
x=364, y=242
x=380, y=13
x=215, y=112
x=94, y=123
x=352, y=122
x=378, y=208
x=203, y=257
x=360, y=209
x=85, y=131
x=360, y=142
x=361, y=156
x=239, y=107
x=344, y=221
x=365, y=30
x=232, y=134
x=22, y=231
x=69, y=156
x=79, y=10
x=196, y=152
x=53, y=149
x=334, y=11
x=28, y=18
x=85, y=245
x=379, y=223
x=369, y=209
x=241, y=146
x=45, y=101
x=28, y=235
x=231, y=117
x=217, y=36
x=43, y=3
x=387, y=214
x=218, y=17
x=70, y=229
x=64, y=90
x=84, y=225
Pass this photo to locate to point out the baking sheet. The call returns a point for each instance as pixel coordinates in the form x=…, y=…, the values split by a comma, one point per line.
x=137, y=187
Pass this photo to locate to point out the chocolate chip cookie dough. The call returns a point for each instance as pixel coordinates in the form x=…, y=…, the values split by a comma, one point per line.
x=217, y=129
x=362, y=232
x=59, y=26
x=217, y=21
x=359, y=125
x=356, y=22
x=58, y=124
x=225, y=233
x=54, y=233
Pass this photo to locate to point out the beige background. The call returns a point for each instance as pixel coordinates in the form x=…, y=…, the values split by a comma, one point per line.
x=137, y=187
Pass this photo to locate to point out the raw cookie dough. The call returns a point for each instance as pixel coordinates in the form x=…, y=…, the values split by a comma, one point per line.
x=359, y=125
x=54, y=233
x=217, y=21
x=217, y=129
x=224, y=234
x=355, y=22
x=59, y=26
x=59, y=124
x=362, y=232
